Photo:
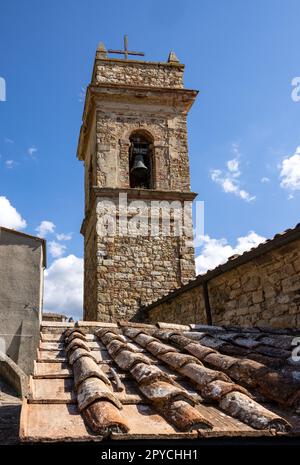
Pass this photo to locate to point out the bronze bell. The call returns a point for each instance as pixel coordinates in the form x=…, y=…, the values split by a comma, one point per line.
x=139, y=166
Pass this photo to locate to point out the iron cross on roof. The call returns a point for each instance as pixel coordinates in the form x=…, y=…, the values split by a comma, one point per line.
x=126, y=52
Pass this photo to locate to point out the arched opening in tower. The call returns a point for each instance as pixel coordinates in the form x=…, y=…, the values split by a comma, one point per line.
x=140, y=162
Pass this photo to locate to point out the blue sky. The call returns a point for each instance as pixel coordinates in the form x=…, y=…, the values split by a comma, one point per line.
x=241, y=55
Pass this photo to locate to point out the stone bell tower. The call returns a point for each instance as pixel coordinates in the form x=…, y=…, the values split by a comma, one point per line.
x=133, y=142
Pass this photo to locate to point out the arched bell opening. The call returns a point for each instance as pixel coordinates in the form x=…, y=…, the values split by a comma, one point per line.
x=140, y=161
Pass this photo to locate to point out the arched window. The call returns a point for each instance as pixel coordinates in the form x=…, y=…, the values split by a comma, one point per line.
x=140, y=162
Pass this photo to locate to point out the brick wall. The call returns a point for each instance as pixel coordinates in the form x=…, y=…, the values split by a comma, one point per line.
x=265, y=291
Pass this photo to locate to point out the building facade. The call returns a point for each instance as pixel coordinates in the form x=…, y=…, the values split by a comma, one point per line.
x=133, y=143
x=22, y=263
x=259, y=288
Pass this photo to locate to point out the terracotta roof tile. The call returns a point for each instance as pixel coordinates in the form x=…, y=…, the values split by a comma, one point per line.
x=104, y=419
x=238, y=404
x=202, y=376
x=159, y=389
x=96, y=400
x=132, y=381
x=271, y=383
x=86, y=367
x=75, y=343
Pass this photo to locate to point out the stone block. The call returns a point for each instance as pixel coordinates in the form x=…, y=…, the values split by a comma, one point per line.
x=283, y=298
x=257, y=297
x=251, y=284
x=269, y=291
x=296, y=264
x=283, y=321
x=244, y=301
x=291, y=283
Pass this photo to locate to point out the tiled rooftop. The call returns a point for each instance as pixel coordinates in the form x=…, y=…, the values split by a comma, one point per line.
x=136, y=381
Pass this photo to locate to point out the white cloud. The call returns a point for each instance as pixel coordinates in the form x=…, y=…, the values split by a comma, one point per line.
x=45, y=228
x=290, y=171
x=7, y=140
x=247, y=242
x=10, y=163
x=9, y=217
x=216, y=251
x=56, y=249
x=64, y=286
x=233, y=166
x=215, y=175
x=246, y=196
x=229, y=179
x=64, y=237
x=230, y=184
x=235, y=148
x=265, y=179
x=31, y=151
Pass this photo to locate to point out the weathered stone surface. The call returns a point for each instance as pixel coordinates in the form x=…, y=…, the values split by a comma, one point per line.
x=10, y=408
x=94, y=389
x=241, y=406
x=261, y=293
x=124, y=272
x=139, y=73
x=104, y=418
x=85, y=368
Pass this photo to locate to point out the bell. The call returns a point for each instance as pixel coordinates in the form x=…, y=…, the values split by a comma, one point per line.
x=139, y=166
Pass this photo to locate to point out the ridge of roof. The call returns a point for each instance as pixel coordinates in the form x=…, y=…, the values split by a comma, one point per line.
x=86, y=325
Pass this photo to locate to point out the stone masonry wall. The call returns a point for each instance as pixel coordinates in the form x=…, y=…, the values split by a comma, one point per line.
x=90, y=168
x=90, y=272
x=131, y=271
x=124, y=272
x=186, y=308
x=264, y=291
x=139, y=74
x=169, y=151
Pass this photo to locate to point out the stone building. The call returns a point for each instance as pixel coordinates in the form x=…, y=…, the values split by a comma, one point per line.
x=22, y=263
x=133, y=143
x=260, y=288
x=186, y=378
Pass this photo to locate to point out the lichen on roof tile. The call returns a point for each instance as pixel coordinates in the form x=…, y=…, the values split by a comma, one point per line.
x=165, y=379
